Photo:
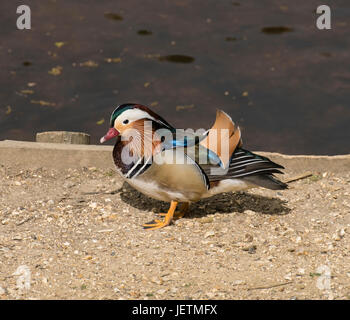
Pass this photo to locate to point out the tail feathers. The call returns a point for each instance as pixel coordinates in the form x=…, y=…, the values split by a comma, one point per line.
x=267, y=181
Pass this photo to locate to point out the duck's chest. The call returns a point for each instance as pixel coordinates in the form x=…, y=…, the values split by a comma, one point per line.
x=162, y=181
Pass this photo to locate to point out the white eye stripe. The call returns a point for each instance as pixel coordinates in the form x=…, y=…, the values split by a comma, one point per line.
x=133, y=115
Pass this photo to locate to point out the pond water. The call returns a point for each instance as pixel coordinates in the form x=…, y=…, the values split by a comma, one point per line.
x=283, y=81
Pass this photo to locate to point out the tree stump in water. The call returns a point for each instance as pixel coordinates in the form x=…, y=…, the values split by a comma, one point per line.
x=63, y=137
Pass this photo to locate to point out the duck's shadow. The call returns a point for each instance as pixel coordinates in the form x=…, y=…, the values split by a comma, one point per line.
x=222, y=203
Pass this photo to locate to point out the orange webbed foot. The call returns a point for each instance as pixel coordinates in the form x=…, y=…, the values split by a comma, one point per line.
x=157, y=224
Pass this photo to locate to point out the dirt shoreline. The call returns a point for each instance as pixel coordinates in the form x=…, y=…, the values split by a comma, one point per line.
x=66, y=216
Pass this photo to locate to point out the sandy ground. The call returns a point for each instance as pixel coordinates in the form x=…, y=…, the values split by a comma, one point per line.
x=77, y=234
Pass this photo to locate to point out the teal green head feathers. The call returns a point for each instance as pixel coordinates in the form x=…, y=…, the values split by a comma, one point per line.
x=130, y=115
x=119, y=110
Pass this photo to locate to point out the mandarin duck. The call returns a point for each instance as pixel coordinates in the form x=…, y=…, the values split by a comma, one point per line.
x=175, y=166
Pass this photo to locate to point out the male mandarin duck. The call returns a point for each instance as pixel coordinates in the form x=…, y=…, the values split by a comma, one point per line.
x=180, y=166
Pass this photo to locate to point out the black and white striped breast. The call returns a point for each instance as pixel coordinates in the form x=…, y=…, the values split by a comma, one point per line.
x=130, y=169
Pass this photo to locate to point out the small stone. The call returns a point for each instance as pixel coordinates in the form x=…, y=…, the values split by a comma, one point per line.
x=93, y=205
x=341, y=233
x=209, y=234
x=330, y=247
x=301, y=252
x=111, y=217
x=238, y=282
x=206, y=220
x=301, y=271
x=248, y=237
x=249, y=212
x=288, y=276
x=330, y=296
x=157, y=280
x=251, y=249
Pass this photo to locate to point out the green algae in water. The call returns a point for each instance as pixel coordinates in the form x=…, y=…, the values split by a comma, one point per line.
x=144, y=32
x=177, y=58
x=276, y=30
x=113, y=16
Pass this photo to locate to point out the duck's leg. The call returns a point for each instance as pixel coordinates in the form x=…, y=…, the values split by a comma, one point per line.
x=183, y=209
x=157, y=224
x=179, y=214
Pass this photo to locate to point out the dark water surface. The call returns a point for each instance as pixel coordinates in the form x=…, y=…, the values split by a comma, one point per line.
x=286, y=83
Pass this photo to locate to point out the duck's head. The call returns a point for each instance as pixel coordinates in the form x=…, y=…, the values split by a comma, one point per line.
x=132, y=116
